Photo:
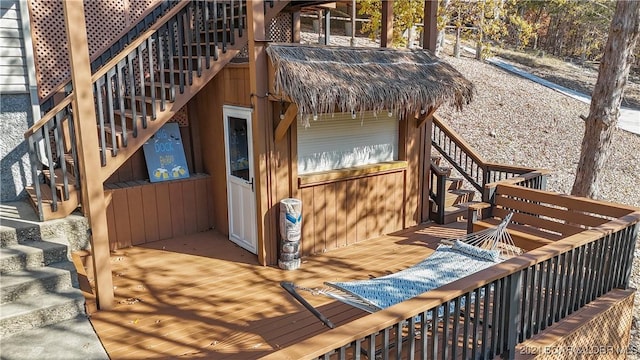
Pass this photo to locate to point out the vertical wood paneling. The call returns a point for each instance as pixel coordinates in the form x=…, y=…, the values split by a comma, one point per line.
x=351, y=211
x=361, y=209
x=307, y=221
x=177, y=211
x=164, y=211
x=341, y=213
x=189, y=206
x=331, y=221
x=150, y=210
x=202, y=205
x=122, y=219
x=111, y=221
x=136, y=212
x=320, y=219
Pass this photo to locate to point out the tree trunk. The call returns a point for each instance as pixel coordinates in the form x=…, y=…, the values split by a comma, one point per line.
x=606, y=98
x=456, y=48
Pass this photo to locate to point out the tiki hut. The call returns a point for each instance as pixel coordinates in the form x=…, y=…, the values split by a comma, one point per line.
x=339, y=79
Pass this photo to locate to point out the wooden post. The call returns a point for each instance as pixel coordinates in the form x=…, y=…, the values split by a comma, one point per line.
x=327, y=27
x=430, y=35
x=93, y=201
x=296, y=27
x=258, y=84
x=386, y=33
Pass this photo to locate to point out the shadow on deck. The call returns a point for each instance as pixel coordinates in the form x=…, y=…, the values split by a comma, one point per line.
x=201, y=296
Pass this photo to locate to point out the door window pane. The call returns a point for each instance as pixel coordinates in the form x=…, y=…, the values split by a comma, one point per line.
x=238, y=148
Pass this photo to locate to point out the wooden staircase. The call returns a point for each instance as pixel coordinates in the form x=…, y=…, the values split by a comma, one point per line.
x=455, y=201
x=135, y=94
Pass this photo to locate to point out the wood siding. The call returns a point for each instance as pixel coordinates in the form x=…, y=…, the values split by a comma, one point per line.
x=13, y=63
x=229, y=87
x=336, y=213
x=139, y=212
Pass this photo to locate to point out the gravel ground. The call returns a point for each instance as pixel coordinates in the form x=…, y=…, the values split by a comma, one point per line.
x=515, y=121
x=518, y=122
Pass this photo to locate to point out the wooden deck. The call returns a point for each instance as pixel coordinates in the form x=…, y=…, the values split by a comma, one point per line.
x=200, y=296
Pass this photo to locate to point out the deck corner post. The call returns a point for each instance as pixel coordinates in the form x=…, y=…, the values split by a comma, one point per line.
x=93, y=201
x=513, y=318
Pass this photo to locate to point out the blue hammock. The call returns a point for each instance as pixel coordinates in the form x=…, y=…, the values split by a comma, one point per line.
x=451, y=261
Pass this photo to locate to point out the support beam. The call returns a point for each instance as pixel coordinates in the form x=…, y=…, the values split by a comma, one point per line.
x=295, y=19
x=386, y=33
x=327, y=27
x=258, y=84
x=286, y=121
x=430, y=35
x=93, y=201
x=422, y=118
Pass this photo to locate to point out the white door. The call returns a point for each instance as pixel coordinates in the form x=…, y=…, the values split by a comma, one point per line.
x=241, y=198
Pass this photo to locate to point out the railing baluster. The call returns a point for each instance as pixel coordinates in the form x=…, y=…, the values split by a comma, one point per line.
x=386, y=343
x=411, y=338
x=109, y=108
x=225, y=28
x=152, y=79
x=120, y=96
x=554, y=273
x=477, y=294
x=207, y=41
x=180, y=52
x=48, y=152
x=197, y=13
x=399, y=340
x=215, y=30
x=140, y=83
x=454, y=331
x=100, y=114
x=240, y=18
x=161, y=70
x=232, y=23
x=434, y=332
x=33, y=159
x=188, y=38
x=59, y=136
x=132, y=95
x=629, y=251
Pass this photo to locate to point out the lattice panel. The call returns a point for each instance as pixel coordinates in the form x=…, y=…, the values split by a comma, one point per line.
x=280, y=28
x=106, y=19
x=181, y=117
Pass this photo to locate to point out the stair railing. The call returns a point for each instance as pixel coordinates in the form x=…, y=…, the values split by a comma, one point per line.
x=131, y=87
x=437, y=190
x=472, y=166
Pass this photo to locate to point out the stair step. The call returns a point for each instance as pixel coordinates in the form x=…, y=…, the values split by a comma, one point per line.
x=64, y=207
x=21, y=284
x=454, y=197
x=34, y=312
x=71, y=180
x=119, y=135
x=30, y=255
x=457, y=212
x=454, y=183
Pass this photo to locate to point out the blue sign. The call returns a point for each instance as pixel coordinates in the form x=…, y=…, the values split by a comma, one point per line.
x=164, y=155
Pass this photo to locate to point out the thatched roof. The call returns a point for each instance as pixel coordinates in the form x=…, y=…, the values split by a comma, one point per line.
x=328, y=79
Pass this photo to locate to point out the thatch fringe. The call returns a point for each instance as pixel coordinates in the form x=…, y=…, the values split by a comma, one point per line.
x=329, y=79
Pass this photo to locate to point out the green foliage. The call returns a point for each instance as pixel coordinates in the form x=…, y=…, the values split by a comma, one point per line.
x=406, y=14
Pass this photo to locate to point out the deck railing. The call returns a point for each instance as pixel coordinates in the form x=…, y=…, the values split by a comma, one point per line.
x=472, y=166
x=131, y=88
x=478, y=172
x=488, y=313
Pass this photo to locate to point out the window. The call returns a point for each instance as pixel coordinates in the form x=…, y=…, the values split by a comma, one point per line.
x=340, y=141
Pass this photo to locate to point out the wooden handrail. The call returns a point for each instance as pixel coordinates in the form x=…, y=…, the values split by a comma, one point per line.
x=138, y=41
x=326, y=342
x=490, y=166
x=48, y=116
x=460, y=142
x=101, y=50
x=110, y=64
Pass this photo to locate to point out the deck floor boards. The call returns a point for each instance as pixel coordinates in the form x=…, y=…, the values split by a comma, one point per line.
x=201, y=296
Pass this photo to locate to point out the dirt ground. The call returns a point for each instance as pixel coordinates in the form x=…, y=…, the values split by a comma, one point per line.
x=570, y=75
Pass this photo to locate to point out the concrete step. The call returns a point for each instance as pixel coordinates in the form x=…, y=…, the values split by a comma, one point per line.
x=10, y=235
x=34, y=312
x=21, y=284
x=30, y=255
